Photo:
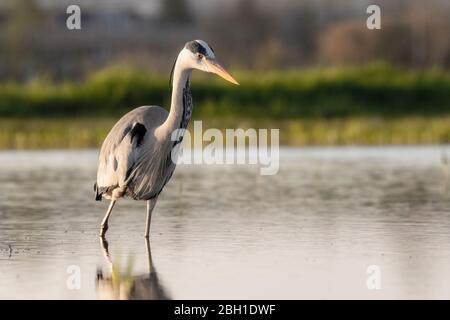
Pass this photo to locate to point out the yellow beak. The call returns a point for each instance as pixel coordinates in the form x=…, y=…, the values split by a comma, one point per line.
x=216, y=68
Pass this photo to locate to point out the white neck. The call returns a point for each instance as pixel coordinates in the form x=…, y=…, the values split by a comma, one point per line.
x=181, y=75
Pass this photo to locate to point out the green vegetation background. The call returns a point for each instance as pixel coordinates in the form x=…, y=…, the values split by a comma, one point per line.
x=374, y=104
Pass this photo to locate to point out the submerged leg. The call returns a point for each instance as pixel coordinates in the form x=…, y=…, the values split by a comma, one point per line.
x=149, y=256
x=104, y=226
x=150, y=205
x=105, y=249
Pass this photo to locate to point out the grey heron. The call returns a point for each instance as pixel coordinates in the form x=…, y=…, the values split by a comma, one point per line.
x=135, y=158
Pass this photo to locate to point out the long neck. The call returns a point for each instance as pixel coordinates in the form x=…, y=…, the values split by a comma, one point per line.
x=180, y=91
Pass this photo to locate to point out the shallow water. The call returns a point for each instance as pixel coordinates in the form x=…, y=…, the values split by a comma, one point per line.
x=311, y=231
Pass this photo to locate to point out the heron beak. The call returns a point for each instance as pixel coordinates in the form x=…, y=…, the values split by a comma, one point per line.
x=216, y=68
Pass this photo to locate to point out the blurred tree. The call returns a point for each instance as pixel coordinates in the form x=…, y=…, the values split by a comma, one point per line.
x=245, y=26
x=298, y=29
x=416, y=39
x=430, y=41
x=245, y=33
x=175, y=11
x=24, y=18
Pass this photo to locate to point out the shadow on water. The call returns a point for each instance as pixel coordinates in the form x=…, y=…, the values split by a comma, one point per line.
x=116, y=285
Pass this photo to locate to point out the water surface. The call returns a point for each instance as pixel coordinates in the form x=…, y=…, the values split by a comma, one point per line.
x=227, y=232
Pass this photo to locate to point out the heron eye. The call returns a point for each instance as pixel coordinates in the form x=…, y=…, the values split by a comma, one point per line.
x=199, y=56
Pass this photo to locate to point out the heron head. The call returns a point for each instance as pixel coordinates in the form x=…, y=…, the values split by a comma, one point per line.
x=199, y=55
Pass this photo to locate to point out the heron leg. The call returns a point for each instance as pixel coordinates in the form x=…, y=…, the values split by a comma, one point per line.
x=150, y=205
x=104, y=226
x=149, y=255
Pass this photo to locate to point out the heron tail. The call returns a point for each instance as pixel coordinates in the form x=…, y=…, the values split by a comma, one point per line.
x=98, y=195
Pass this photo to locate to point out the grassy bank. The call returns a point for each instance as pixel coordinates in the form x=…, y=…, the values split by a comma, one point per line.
x=89, y=133
x=374, y=90
x=375, y=104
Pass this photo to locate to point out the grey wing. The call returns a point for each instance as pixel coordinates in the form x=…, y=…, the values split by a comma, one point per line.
x=122, y=149
x=117, y=156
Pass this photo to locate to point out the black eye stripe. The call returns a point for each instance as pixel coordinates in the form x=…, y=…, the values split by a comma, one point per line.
x=195, y=47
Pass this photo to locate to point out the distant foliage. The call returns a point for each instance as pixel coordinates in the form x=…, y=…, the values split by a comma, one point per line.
x=376, y=89
x=417, y=40
x=175, y=11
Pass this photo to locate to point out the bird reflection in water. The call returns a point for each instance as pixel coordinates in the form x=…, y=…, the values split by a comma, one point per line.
x=120, y=286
